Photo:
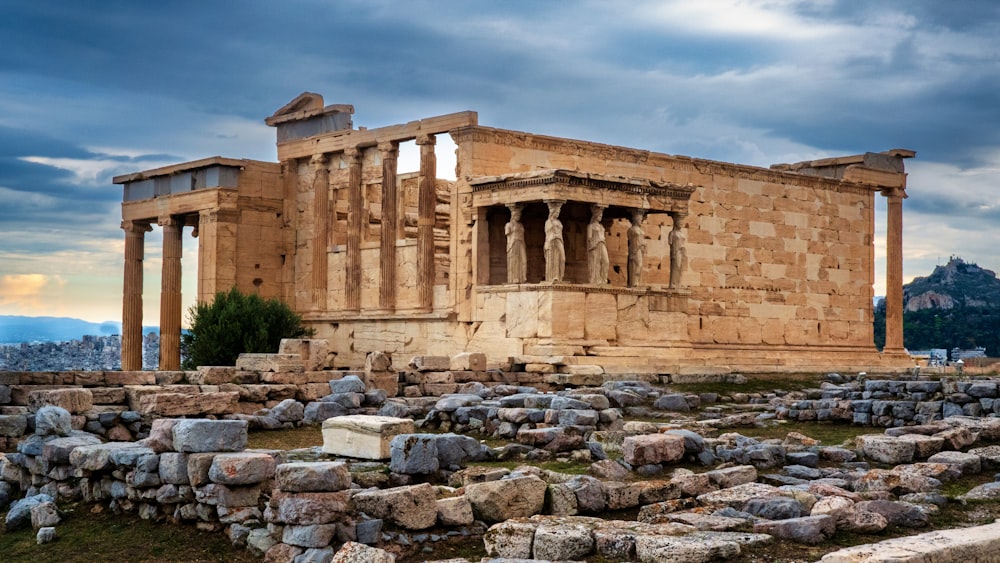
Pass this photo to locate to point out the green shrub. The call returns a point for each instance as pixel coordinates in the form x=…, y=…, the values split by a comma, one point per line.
x=234, y=323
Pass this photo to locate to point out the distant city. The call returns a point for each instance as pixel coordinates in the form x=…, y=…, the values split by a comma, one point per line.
x=91, y=353
x=59, y=343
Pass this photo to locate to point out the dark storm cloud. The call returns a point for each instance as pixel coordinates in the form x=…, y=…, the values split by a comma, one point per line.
x=91, y=89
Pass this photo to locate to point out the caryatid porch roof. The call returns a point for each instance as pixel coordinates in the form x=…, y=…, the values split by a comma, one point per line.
x=570, y=185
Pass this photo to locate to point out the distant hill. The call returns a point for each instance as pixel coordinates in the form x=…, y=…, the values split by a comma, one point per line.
x=956, y=284
x=957, y=306
x=16, y=329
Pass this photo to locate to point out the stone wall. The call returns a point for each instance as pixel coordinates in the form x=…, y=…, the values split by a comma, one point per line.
x=894, y=402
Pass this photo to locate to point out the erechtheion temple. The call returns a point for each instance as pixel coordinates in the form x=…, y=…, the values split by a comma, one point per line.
x=626, y=259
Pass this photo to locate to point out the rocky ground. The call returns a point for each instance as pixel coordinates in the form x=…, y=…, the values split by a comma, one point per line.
x=629, y=472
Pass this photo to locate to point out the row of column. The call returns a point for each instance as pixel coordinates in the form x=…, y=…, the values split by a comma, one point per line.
x=597, y=249
x=170, y=293
x=427, y=203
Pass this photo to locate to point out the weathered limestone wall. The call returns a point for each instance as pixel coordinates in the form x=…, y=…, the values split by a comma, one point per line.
x=778, y=263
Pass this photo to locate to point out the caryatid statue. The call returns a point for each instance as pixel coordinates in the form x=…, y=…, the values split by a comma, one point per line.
x=678, y=254
x=597, y=247
x=555, y=251
x=517, y=257
x=636, y=248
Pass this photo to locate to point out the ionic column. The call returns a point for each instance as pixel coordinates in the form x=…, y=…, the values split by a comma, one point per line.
x=390, y=220
x=321, y=199
x=894, y=271
x=355, y=212
x=426, y=205
x=170, y=294
x=135, y=240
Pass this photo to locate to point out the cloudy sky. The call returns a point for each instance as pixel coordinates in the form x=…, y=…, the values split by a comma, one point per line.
x=90, y=90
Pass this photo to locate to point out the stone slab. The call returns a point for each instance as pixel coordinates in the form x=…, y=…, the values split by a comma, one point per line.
x=962, y=545
x=363, y=436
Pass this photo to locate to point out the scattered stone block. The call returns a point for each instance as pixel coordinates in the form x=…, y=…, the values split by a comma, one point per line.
x=887, y=449
x=512, y=539
x=562, y=542
x=353, y=552
x=496, y=501
x=652, y=448
x=807, y=529
x=455, y=511
x=413, y=507
x=363, y=436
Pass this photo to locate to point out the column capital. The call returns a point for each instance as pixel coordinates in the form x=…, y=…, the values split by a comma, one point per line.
x=136, y=227
x=352, y=153
x=388, y=147
x=426, y=139
x=170, y=221
x=318, y=161
x=899, y=192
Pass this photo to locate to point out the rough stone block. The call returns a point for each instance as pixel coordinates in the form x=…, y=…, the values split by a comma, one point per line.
x=243, y=468
x=468, y=361
x=202, y=435
x=412, y=507
x=318, y=476
x=455, y=511
x=496, y=501
x=270, y=362
x=308, y=508
x=76, y=401
x=652, y=448
x=430, y=363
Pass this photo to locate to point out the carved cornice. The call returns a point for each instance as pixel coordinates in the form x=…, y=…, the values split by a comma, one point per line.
x=638, y=186
x=518, y=139
x=583, y=288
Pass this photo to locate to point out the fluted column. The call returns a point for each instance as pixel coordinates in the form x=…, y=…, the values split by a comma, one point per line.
x=321, y=199
x=135, y=241
x=170, y=294
x=894, y=271
x=426, y=205
x=390, y=220
x=355, y=212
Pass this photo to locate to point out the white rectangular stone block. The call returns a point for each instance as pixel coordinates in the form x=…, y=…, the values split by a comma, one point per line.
x=363, y=436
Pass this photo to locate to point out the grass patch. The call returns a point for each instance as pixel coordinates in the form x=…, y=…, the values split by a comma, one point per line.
x=85, y=537
x=755, y=384
x=571, y=468
x=828, y=433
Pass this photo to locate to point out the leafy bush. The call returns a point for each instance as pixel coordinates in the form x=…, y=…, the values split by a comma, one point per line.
x=234, y=323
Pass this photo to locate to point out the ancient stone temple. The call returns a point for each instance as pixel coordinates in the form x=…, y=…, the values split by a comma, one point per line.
x=631, y=260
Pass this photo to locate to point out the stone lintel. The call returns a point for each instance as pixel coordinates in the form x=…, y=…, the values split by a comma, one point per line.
x=567, y=185
x=300, y=148
x=186, y=167
x=180, y=204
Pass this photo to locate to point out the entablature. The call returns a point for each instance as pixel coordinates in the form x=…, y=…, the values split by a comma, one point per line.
x=569, y=185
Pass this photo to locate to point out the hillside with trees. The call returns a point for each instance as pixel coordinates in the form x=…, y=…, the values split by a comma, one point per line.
x=958, y=305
